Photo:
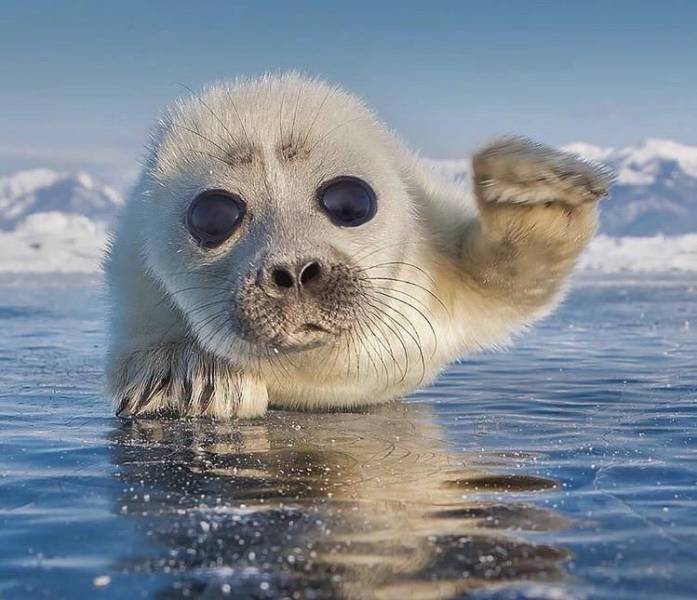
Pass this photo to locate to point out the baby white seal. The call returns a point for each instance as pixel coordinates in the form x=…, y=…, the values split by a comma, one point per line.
x=283, y=248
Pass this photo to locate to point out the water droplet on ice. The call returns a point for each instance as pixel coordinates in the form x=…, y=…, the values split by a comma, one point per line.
x=101, y=581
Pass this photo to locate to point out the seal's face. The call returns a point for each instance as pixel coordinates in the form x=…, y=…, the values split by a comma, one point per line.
x=275, y=216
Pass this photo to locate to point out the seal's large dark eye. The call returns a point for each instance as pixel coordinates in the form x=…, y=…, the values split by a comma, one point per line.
x=213, y=216
x=349, y=201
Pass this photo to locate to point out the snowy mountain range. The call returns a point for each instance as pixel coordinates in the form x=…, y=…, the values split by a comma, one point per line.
x=38, y=191
x=655, y=191
x=55, y=221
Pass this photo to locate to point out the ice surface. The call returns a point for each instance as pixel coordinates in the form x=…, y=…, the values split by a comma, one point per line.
x=564, y=467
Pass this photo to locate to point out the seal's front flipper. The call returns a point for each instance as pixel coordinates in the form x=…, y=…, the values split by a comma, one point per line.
x=176, y=380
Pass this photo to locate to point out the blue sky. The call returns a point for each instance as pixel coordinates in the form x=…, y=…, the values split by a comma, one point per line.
x=83, y=81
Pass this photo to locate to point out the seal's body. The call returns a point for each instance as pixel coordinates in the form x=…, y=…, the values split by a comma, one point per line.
x=282, y=247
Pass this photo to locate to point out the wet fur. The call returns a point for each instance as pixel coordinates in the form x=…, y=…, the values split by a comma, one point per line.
x=436, y=274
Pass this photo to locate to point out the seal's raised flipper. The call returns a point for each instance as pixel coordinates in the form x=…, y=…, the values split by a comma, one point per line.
x=537, y=211
x=516, y=170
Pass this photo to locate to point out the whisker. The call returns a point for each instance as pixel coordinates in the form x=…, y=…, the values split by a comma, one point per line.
x=199, y=307
x=280, y=117
x=332, y=130
x=199, y=287
x=400, y=262
x=233, y=139
x=317, y=113
x=413, y=284
x=414, y=329
x=348, y=354
x=420, y=312
x=203, y=137
x=189, y=289
x=214, y=156
x=295, y=114
x=335, y=350
x=369, y=351
x=384, y=343
x=385, y=290
x=288, y=360
x=239, y=118
x=273, y=356
x=209, y=320
x=376, y=317
x=221, y=329
x=361, y=258
x=257, y=356
x=414, y=337
x=357, y=355
x=373, y=325
x=267, y=357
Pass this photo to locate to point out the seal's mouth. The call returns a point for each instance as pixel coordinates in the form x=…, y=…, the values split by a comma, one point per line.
x=305, y=337
x=288, y=333
x=310, y=328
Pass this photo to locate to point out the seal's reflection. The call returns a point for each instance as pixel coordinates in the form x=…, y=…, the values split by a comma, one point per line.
x=324, y=505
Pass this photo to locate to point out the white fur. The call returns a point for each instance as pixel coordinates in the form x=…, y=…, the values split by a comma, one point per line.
x=470, y=272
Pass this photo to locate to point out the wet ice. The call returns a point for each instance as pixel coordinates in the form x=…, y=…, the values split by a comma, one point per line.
x=564, y=467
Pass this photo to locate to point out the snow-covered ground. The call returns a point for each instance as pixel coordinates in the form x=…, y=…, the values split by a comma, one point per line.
x=53, y=242
x=54, y=221
x=654, y=254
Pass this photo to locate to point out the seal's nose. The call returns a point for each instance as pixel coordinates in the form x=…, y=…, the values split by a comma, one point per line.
x=283, y=278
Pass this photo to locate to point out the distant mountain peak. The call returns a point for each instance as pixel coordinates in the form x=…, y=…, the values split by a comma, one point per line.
x=35, y=191
x=639, y=164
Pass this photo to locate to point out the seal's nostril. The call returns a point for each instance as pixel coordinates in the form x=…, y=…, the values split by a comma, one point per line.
x=283, y=278
x=311, y=272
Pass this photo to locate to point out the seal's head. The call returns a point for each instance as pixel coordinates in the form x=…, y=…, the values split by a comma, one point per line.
x=266, y=207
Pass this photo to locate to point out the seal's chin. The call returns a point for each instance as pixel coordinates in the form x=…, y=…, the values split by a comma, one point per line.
x=305, y=337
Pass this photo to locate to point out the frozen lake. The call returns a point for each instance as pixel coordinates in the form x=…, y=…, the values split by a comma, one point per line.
x=563, y=468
